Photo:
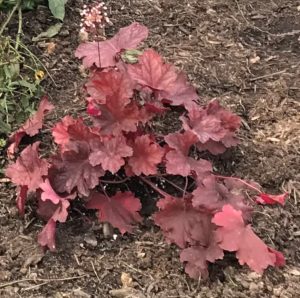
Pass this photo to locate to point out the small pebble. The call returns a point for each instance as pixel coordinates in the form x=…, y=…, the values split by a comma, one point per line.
x=64, y=33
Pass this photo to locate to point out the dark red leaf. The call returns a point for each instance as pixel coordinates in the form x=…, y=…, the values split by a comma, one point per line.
x=72, y=169
x=70, y=132
x=234, y=235
x=103, y=86
x=264, y=198
x=127, y=38
x=60, y=130
x=205, y=127
x=197, y=258
x=181, y=93
x=178, y=161
x=280, y=260
x=181, y=223
x=110, y=154
x=116, y=117
x=214, y=127
x=21, y=198
x=29, y=169
x=146, y=156
x=121, y=210
x=31, y=126
x=92, y=109
x=47, y=236
x=48, y=193
x=151, y=71
x=213, y=195
x=58, y=212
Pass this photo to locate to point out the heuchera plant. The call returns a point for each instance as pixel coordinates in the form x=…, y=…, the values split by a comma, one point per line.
x=123, y=98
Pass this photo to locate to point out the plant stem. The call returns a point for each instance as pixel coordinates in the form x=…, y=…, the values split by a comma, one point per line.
x=104, y=191
x=19, y=28
x=173, y=184
x=115, y=181
x=240, y=180
x=152, y=185
x=99, y=53
x=4, y=24
x=185, y=187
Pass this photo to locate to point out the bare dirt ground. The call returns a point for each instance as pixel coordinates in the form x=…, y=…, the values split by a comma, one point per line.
x=246, y=53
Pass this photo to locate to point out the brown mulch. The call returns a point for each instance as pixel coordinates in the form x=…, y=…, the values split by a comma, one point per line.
x=246, y=54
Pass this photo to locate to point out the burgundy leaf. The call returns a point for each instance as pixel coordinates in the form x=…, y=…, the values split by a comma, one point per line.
x=213, y=195
x=70, y=132
x=29, y=169
x=178, y=161
x=151, y=71
x=58, y=212
x=181, y=223
x=146, y=156
x=181, y=93
x=103, y=86
x=264, y=198
x=48, y=193
x=72, y=169
x=234, y=235
x=31, y=126
x=280, y=260
x=103, y=53
x=116, y=116
x=47, y=236
x=121, y=210
x=197, y=258
x=214, y=127
x=110, y=155
x=60, y=130
x=21, y=198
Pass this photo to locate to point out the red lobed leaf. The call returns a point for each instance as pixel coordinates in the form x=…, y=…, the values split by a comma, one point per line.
x=197, y=258
x=110, y=104
x=116, y=116
x=279, y=257
x=110, y=154
x=72, y=169
x=48, y=193
x=29, y=169
x=178, y=161
x=127, y=38
x=205, y=127
x=234, y=235
x=47, y=236
x=181, y=223
x=35, y=122
x=61, y=212
x=168, y=84
x=214, y=126
x=121, y=210
x=92, y=109
x=70, y=132
x=31, y=126
x=213, y=195
x=58, y=212
x=264, y=198
x=103, y=86
x=181, y=93
x=60, y=130
x=146, y=156
x=151, y=71
x=21, y=198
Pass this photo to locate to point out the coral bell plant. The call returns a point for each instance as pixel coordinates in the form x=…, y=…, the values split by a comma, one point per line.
x=94, y=18
x=209, y=215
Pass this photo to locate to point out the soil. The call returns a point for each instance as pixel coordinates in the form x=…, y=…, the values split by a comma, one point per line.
x=246, y=53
